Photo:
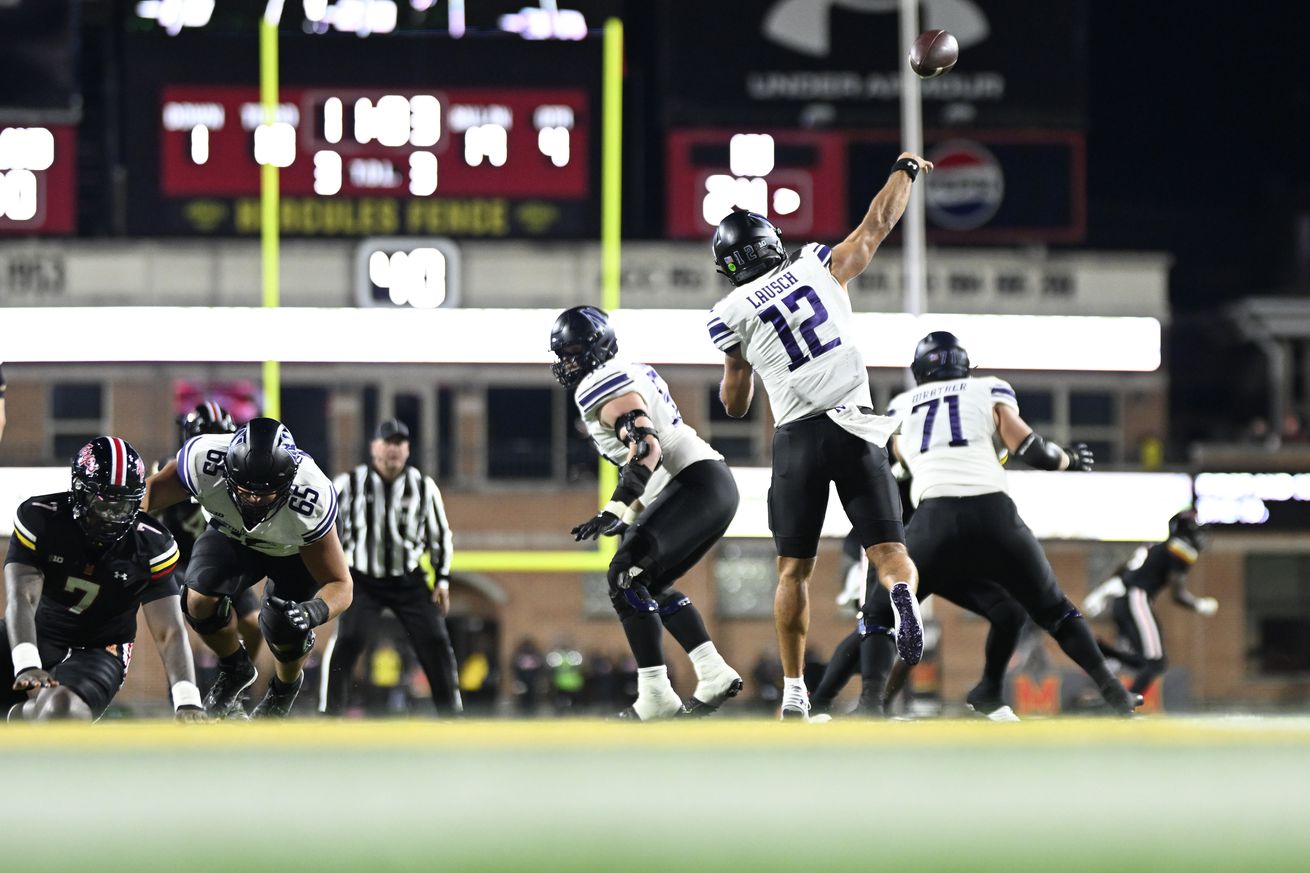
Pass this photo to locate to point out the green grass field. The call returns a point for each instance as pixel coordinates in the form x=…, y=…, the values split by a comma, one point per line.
x=1058, y=796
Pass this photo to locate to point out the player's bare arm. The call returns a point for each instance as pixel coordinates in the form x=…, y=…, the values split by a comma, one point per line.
x=164, y=489
x=738, y=385
x=628, y=411
x=22, y=593
x=852, y=255
x=1034, y=450
x=326, y=562
x=164, y=618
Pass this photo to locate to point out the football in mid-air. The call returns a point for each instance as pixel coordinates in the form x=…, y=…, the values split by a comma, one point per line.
x=933, y=53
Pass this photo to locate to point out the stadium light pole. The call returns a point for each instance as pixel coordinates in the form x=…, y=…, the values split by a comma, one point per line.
x=913, y=250
x=269, y=196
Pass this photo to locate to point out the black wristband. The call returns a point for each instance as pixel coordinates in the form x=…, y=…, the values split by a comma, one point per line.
x=909, y=165
x=316, y=610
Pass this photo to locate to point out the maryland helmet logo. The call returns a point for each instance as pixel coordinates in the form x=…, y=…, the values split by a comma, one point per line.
x=86, y=460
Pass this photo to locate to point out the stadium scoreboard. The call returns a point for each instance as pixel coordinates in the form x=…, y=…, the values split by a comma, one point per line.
x=404, y=135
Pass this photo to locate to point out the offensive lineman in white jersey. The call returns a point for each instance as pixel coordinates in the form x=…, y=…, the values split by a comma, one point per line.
x=272, y=513
x=966, y=537
x=674, y=500
x=789, y=318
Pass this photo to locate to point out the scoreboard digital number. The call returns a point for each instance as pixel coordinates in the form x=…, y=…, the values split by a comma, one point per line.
x=37, y=179
x=461, y=161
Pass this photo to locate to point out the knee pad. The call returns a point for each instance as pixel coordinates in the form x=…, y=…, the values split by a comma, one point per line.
x=671, y=602
x=214, y=623
x=1052, y=619
x=632, y=600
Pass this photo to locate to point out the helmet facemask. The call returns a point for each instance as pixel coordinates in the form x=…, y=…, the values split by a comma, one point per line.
x=582, y=341
x=254, y=514
x=259, y=470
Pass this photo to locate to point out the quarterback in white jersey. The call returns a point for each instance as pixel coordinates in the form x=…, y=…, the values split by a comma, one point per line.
x=966, y=537
x=272, y=513
x=674, y=500
x=789, y=319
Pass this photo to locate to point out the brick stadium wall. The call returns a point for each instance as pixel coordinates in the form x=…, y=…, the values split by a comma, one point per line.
x=549, y=609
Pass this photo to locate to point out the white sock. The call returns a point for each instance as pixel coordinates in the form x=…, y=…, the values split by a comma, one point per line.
x=794, y=691
x=653, y=692
x=706, y=660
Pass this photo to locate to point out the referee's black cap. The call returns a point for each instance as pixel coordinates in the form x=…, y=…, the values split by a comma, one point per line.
x=393, y=429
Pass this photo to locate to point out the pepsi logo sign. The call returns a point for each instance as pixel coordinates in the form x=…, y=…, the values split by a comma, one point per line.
x=966, y=186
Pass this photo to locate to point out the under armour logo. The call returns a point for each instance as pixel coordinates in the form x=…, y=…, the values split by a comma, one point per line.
x=120, y=575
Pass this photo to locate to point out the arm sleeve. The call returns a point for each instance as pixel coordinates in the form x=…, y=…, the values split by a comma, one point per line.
x=721, y=335
x=163, y=563
x=596, y=394
x=437, y=527
x=27, y=530
x=185, y=458
x=324, y=516
x=822, y=252
x=1182, y=554
x=1003, y=394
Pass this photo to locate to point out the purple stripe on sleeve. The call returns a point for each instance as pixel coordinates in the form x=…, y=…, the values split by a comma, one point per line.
x=616, y=381
x=184, y=466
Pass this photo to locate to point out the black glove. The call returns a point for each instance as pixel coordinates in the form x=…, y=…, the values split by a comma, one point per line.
x=300, y=616
x=605, y=523
x=1080, y=457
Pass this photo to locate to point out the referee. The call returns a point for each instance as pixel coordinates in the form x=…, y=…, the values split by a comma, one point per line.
x=2, y=402
x=390, y=515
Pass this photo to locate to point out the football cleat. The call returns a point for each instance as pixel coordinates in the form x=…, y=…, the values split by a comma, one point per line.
x=278, y=703
x=988, y=703
x=908, y=625
x=711, y=693
x=795, y=705
x=224, y=695
x=1119, y=698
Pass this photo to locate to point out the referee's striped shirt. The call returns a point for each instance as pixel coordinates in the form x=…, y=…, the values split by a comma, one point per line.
x=386, y=528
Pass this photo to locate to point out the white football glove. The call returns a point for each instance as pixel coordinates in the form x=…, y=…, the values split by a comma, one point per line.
x=1207, y=606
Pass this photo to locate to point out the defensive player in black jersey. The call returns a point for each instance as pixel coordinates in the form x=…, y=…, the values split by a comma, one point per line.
x=1132, y=592
x=80, y=562
x=186, y=521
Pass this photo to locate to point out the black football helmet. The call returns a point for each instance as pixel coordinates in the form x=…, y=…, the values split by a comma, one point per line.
x=262, y=459
x=582, y=339
x=1184, y=526
x=109, y=483
x=746, y=246
x=938, y=357
x=207, y=417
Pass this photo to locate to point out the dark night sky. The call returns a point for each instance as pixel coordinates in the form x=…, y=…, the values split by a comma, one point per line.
x=1194, y=149
x=1192, y=143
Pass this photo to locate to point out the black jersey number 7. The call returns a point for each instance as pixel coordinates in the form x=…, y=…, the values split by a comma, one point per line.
x=930, y=418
